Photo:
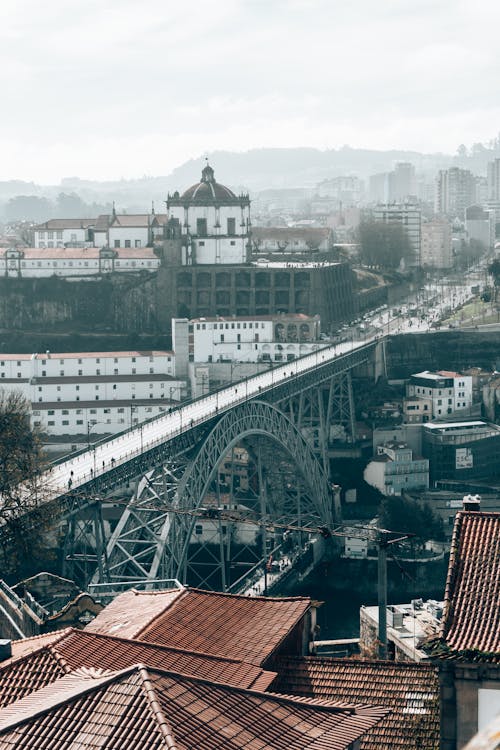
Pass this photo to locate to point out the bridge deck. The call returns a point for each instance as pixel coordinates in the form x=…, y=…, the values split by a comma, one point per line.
x=107, y=455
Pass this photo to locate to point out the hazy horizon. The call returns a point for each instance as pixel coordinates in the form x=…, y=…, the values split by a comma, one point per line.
x=117, y=89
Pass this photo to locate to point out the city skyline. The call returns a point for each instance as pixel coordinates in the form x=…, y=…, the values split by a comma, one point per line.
x=114, y=90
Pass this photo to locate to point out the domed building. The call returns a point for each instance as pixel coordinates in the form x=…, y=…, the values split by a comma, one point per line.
x=213, y=222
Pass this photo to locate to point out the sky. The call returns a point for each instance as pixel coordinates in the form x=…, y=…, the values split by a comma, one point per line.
x=104, y=89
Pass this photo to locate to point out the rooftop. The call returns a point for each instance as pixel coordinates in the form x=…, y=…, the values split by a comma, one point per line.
x=239, y=627
x=42, y=661
x=471, y=621
x=410, y=690
x=145, y=709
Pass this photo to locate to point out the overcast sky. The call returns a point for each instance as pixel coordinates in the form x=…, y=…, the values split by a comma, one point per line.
x=109, y=88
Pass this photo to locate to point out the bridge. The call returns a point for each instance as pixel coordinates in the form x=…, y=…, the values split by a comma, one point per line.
x=169, y=466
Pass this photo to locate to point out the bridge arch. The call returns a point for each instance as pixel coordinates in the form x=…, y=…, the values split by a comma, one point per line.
x=150, y=542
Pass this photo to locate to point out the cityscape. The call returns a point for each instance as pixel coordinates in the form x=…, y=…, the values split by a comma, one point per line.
x=249, y=400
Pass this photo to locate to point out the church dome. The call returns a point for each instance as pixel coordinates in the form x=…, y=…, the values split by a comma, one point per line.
x=208, y=190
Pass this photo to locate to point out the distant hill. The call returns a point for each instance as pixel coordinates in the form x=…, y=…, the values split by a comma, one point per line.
x=254, y=170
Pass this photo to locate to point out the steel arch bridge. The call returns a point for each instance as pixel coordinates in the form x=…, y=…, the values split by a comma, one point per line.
x=153, y=537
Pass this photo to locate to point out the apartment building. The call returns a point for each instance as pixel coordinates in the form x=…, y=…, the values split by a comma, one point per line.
x=447, y=392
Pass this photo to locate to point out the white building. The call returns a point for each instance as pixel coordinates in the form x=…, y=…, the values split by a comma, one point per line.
x=394, y=470
x=134, y=230
x=265, y=338
x=409, y=216
x=455, y=189
x=494, y=180
x=214, y=223
x=99, y=392
x=448, y=391
x=70, y=262
x=62, y=232
x=408, y=626
x=288, y=240
x=436, y=247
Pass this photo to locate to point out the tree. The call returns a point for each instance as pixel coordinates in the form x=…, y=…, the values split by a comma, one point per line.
x=408, y=516
x=23, y=489
x=494, y=270
x=384, y=245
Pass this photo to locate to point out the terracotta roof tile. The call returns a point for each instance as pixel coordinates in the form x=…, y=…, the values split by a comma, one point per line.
x=409, y=690
x=70, y=649
x=243, y=628
x=471, y=619
x=140, y=709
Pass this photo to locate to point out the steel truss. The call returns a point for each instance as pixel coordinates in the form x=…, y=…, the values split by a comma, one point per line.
x=152, y=539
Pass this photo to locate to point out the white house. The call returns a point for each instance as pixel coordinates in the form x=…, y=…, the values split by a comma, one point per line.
x=214, y=222
x=448, y=391
x=394, y=469
x=70, y=262
x=62, y=232
x=98, y=392
x=288, y=240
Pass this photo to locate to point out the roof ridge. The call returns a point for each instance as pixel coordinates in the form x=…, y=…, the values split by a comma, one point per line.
x=250, y=598
x=154, y=617
x=155, y=707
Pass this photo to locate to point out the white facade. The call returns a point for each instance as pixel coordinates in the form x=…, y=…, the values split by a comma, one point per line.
x=214, y=223
x=278, y=338
x=62, y=232
x=447, y=391
x=480, y=225
x=394, y=470
x=436, y=247
x=71, y=262
x=103, y=391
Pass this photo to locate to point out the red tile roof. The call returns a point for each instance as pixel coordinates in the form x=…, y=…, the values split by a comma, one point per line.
x=471, y=618
x=71, y=649
x=141, y=709
x=243, y=628
x=409, y=690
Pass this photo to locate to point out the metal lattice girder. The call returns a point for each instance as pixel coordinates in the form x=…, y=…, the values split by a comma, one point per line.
x=149, y=538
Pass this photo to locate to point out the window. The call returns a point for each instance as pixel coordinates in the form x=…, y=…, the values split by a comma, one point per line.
x=65, y=411
x=138, y=243
x=79, y=421
x=44, y=372
x=98, y=361
x=232, y=242
x=127, y=243
x=58, y=387
x=134, y=370
x=79, y=361
x=51, y=412
x=97, y=372
x=77, y=388
x=231, y=226
x=61, y=373
x=117, y=243
x=151, y=370
x=65, y=422
x=115, y=371
x=80, y=372
x=201, y=226
x=51, y=423
x=198, y=529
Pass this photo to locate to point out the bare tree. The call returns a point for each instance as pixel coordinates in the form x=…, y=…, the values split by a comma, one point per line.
x=24, y=512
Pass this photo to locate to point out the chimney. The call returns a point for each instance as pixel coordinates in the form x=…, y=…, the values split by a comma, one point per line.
x=472, y=502
x=5, y=649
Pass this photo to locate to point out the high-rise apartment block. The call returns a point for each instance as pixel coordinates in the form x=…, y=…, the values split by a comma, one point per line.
x=494, y=180
x=455, y=191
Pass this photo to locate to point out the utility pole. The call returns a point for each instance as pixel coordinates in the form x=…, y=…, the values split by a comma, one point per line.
x=382, y=595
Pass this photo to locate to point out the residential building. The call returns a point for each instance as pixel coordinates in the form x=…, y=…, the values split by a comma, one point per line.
x=394, y=469
x=480, y=226
x=378, y=188
x=291, y=240
x=467, y=449
x=417, y=410
x=402, y=182
x=213, y=222
x=494, y=180
x=409, y=626
x=409, y=690
x=409, y=216
x=346, y=189
x=63, y=233
x=75, y=393
x=74, y=262
x=467, y=648
x=449, y=392
x=251, y=629
x=141, y=707
x=133, y=230
x=436, y=247
x=455, y=191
